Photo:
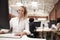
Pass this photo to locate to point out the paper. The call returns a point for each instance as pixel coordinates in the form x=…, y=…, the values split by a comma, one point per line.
x=12, y=37
x=9, y=36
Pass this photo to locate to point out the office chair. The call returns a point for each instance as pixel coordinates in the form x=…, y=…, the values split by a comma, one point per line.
x=32, y=28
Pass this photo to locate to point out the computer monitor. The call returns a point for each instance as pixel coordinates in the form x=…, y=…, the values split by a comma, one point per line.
x=58, y=20
x=37, y=24
x=51, y=23
x=4, y=20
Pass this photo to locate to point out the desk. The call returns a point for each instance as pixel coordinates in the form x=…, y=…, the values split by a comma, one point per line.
x=20, y=39
x=45, y=31
x=23, y=38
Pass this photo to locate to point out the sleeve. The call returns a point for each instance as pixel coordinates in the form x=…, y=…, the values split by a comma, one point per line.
x=11, y=23
x=54, y=26
x=27, y=27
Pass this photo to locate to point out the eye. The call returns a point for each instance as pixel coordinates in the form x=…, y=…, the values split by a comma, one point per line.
x=18, y=10
x=22, y=10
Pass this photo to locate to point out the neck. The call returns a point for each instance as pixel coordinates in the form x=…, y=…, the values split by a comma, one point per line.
x=19, y=17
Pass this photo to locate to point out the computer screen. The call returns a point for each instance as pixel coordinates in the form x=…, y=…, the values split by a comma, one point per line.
x=51, y=23
x=37, y=24
x=58, y=20
x=4, y=19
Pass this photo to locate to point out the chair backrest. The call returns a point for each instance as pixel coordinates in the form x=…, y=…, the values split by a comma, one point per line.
x=51, y=23
x=32, y=27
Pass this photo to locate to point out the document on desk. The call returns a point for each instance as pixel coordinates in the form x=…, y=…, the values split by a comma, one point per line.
x=27, y=38
x=9, y=36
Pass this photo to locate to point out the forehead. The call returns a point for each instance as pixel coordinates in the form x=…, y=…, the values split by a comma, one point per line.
x=20, y=8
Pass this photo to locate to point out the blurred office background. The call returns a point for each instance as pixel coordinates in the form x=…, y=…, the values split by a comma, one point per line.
x=39, y=9
x=42, y=11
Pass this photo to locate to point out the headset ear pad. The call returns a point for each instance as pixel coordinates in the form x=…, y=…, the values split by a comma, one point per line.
x=17, y=10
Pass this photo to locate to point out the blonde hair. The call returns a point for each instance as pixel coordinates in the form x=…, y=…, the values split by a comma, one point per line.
x=25, y=10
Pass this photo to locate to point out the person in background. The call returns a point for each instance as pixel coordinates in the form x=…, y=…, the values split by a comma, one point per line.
x=58, y=26
x=54, y=27
x=32, y=28
x=20, y=25
x=31, y=25
x=57, y=36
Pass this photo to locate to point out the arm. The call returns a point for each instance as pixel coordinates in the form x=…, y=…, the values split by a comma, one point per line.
x=25, y=31
x=10, y=30
x=7, y=30
x=11, y=27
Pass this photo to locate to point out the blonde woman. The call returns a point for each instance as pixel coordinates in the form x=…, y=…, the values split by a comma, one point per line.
x=20, y=25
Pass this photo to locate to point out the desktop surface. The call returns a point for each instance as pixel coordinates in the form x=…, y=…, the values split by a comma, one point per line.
x=7, y=37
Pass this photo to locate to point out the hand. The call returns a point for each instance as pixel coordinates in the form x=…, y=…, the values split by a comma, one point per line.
x=20, y=34
x=2, y=32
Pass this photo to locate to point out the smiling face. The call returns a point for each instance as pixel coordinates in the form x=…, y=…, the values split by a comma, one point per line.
x=21, y=11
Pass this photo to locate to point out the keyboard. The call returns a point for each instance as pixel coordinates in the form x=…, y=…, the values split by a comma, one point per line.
x=9, y=36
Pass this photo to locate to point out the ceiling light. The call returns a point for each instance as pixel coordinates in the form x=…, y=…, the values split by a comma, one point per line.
x=34, y=4
x=19, y=4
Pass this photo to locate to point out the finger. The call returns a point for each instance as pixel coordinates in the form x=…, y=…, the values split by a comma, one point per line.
x=16, y=34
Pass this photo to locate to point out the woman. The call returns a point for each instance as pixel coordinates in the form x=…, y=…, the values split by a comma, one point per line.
x=19, y=24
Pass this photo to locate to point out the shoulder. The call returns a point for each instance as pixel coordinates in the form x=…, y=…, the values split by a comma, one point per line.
x=26, y=20
x=13, y=18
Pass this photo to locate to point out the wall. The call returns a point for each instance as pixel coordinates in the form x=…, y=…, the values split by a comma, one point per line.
x=55, y=13
x=58, y=9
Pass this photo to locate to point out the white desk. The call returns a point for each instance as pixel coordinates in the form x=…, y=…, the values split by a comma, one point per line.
x=23, y=38
x=20, y=39
x=45, y=30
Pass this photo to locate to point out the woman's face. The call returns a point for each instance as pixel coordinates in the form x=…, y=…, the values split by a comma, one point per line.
x=21, y=11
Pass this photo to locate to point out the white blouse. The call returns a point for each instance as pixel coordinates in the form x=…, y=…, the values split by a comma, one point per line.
x=19, y=26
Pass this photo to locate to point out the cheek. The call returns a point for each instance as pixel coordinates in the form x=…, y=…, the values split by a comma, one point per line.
x=21, y=13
